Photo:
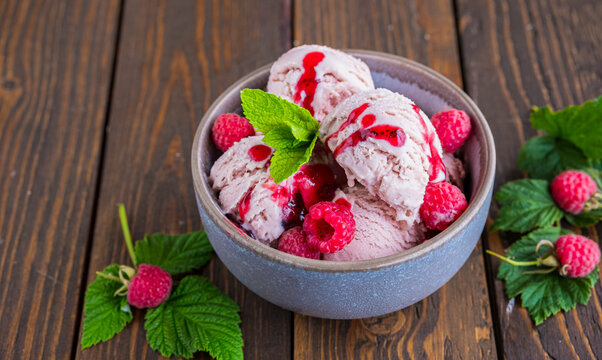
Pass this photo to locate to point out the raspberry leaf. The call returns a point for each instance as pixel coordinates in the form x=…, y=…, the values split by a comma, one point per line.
x=586, y=218
x=288, y=128
x=525, y=204
x=175, y=254
x=104, y=314
x=196, y=317
x=544, y=157
x=577, y=124
x=543, y=294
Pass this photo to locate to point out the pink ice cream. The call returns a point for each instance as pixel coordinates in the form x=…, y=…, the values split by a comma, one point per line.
x=245, y=189
x=377, y=233
x=318, y=78
x=386, y=143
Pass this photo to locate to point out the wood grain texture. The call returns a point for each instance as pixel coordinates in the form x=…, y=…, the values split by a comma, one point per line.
x=174, y=59
x=518, y=54
x=455, y=322
x=56, y=62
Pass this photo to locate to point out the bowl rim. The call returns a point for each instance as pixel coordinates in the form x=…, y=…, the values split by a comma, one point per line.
x=478, y=200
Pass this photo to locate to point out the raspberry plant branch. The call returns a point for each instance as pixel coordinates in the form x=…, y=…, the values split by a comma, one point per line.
x=126, y=233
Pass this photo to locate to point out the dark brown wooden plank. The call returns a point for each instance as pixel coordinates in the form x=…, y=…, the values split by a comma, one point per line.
x=518, y=54
x=454, y=322
x=174, y=58
x=56, y=62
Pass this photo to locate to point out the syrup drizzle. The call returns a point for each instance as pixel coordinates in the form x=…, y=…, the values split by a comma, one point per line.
x=392, y=134
x=260, y=152
x=307, y=82
x=435, y=160
x=351, y=119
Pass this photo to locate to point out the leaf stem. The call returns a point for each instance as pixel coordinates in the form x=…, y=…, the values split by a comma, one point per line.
x=126, y=233
x=108, y=276
x=515, y=263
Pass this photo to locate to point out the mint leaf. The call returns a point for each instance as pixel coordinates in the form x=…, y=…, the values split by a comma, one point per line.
x=525, y=204
x=288, y=128
x=280, y=137
x=577, y=124
x=175, y=254
x=267, y=112
x=287, y=161
x=544, y=157
x=196, y=317
x=104, y=314
x=543, y=294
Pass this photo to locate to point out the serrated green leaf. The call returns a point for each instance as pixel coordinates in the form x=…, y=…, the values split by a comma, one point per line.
x=586, y=218
x=176, y=254
x=196, y=317
x=543, y=294
x=544, y=157
x=286, y=162
x=267, y=112
x=279, y=138
x=525, y=204
x=577, y=124
x=104, y=314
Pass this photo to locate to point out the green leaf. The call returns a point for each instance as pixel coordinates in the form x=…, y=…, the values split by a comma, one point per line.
x=176, y=254
x=544, y=157
x=287, y=161
x=281, y=137
x=267, y=112
x=586, y=218
x=104, y=314
x=196, y=317
x=525, y=204
x=577, y=124
x=288, y=128
x=543, y=294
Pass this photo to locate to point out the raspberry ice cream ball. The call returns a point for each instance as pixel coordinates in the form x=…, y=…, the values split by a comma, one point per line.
x=149, y=287
x=318, y=78
x=294, y=241
x=572, y=190
x=453, y=127
x=229, y=129
x=577, y=254
x=329, y=226
x=443, y=204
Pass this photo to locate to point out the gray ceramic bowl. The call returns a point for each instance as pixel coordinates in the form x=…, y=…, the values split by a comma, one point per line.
x=347, y=290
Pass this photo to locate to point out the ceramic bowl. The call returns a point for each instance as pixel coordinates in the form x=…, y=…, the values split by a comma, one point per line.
x=347, y=290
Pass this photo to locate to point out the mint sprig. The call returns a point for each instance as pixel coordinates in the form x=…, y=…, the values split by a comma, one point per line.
x=197, y=317
x=543, y=294
x=287, y=127
x=526, y=204
x=175, y=254
x=105, y=314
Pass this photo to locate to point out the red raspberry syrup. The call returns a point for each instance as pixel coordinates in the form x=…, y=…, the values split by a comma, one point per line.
x=260, y=152
x=437, y=165
x=245, y=204
x=307, y=82
x=394, y=135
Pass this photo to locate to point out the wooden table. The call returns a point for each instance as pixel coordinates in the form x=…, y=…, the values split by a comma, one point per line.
x=99, y=101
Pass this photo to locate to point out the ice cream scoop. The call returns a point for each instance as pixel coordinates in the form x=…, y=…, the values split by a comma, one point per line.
x=386, y=143
x=318, y=78
x=377, y=234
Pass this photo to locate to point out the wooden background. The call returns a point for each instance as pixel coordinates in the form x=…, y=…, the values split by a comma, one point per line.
x=99, y=101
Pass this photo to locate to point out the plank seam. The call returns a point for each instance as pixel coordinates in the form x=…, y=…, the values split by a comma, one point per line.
x=95, y=201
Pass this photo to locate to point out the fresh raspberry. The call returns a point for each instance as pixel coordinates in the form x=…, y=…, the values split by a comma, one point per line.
x=453, y=128
x=150, y=287
x=443, y=203
x=578, y=255
x=329, y=226
x=294, y=241
x=572, y=189
x=315, y=183
x=230, y=128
